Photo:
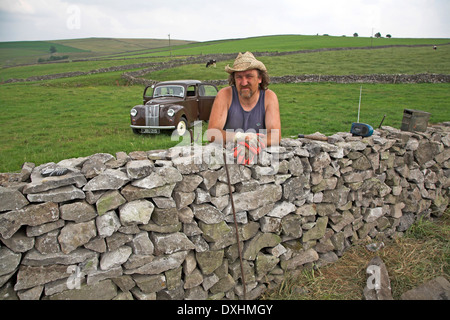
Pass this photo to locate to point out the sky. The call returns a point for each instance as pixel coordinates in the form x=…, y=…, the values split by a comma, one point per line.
x=203, y=20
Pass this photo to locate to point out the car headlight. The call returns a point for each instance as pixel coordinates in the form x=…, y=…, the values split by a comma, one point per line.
x=170, y=112
x=133, y=112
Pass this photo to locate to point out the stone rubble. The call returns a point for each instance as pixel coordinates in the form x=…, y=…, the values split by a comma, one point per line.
x=159, y=224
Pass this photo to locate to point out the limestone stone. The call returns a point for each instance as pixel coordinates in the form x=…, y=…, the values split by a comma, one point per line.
x=282, y=209
x=40, y=184
x=135, y=193
x=160, y=264
x=378, y=285
x=110, y=179
x=301, y=258
x=107, y=224
x=261, y=240
x=270, y=224
x=112, y=259
x=435, y=289
x=265, y=263
x=207, y=213
x=189, y=183
x=29, y=277
x=373, y=214
x=224, y=284
x=47, y=243
x=137, y=169
x=318, y=231
x=159, y=177
x=294, y=188
x=195, y=278
x=209, y=261
x=9, y=261
x=307, y=210
x=238, y=173
x=78, y=211
x=33, y=231
x=209, y=178
x=31, y=215
x=11, y=199
x=141, y=244
x=266, y=194
x=320, y=161
x=103, y=290
x=292, y=225
x=35, y=258
x=19, y=242
x=136, y=212
x=183, y=199
x=61, y=194
x=426, y=151
x=343, y=220
x=150, y=283
x=165, y=217
x=171, y=243
x=92, y=168
x=110, y=200
x=74, y=235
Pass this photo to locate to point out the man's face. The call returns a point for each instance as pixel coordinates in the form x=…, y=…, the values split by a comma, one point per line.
x=247, y=82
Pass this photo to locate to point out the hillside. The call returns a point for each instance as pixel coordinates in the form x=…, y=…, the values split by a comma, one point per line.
x=28, y=52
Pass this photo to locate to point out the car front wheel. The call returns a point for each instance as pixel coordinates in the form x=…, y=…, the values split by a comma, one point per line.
x=182, y=127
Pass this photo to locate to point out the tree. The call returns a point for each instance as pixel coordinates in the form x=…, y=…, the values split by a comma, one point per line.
x=53, y=49
x=388, y=36
x=355, y=34
x=377, y=35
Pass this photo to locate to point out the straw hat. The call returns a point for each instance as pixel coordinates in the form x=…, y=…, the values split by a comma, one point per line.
x=244, y=62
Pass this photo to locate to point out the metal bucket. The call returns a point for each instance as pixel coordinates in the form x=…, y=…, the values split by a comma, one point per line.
x=415, y=120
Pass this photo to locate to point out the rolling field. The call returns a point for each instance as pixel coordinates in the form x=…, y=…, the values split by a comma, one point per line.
x=51, y=120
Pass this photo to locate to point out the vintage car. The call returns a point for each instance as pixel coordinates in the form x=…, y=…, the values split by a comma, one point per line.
x=173, y=105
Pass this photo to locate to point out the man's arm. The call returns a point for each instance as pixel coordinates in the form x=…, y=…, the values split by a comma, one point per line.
x=273, y=122
x=218, y=117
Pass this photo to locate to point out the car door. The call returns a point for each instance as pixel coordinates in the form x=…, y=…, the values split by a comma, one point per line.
x=191, y=103
x=206, y=95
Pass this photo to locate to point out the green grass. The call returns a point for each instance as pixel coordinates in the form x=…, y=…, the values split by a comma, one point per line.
x=30, y=51
x=330, y=108
x=55, y=120
x=381, y=61
x=25, y=52
x=283, y=43
x=48, y=121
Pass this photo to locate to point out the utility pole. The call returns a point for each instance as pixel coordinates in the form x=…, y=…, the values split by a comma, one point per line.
x=170, y=48
x=371, y=39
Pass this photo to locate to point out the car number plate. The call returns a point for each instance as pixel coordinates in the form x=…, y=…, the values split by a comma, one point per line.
x=150, y=131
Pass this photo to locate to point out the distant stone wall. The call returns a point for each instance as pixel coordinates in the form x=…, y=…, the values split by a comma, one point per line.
x=136, y=77
x=159, y=224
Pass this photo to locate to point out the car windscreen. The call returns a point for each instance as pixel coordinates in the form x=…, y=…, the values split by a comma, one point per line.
x=169, y=91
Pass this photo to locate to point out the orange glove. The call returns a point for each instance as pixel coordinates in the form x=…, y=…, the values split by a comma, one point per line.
x=246, y=150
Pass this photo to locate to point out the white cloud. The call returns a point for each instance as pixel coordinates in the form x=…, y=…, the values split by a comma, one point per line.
x=211, y=20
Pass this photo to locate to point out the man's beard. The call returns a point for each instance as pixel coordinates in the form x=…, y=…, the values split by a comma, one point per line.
x=247, y=94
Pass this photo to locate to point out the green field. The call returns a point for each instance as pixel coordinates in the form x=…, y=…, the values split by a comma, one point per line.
x=28, y=52
x=48, y=121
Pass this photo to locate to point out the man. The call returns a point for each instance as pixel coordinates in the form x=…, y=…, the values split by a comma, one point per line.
x=246, y=112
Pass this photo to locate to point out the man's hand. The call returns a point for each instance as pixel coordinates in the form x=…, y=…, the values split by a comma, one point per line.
x=248, y=146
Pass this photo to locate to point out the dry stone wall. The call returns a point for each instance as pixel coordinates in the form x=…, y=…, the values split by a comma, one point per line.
x=159, y=224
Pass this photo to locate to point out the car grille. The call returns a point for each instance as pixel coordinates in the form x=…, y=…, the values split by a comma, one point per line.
x=153, y=115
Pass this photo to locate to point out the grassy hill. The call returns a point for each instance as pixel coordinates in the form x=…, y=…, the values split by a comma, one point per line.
x=28, y=52
x=51, y=120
